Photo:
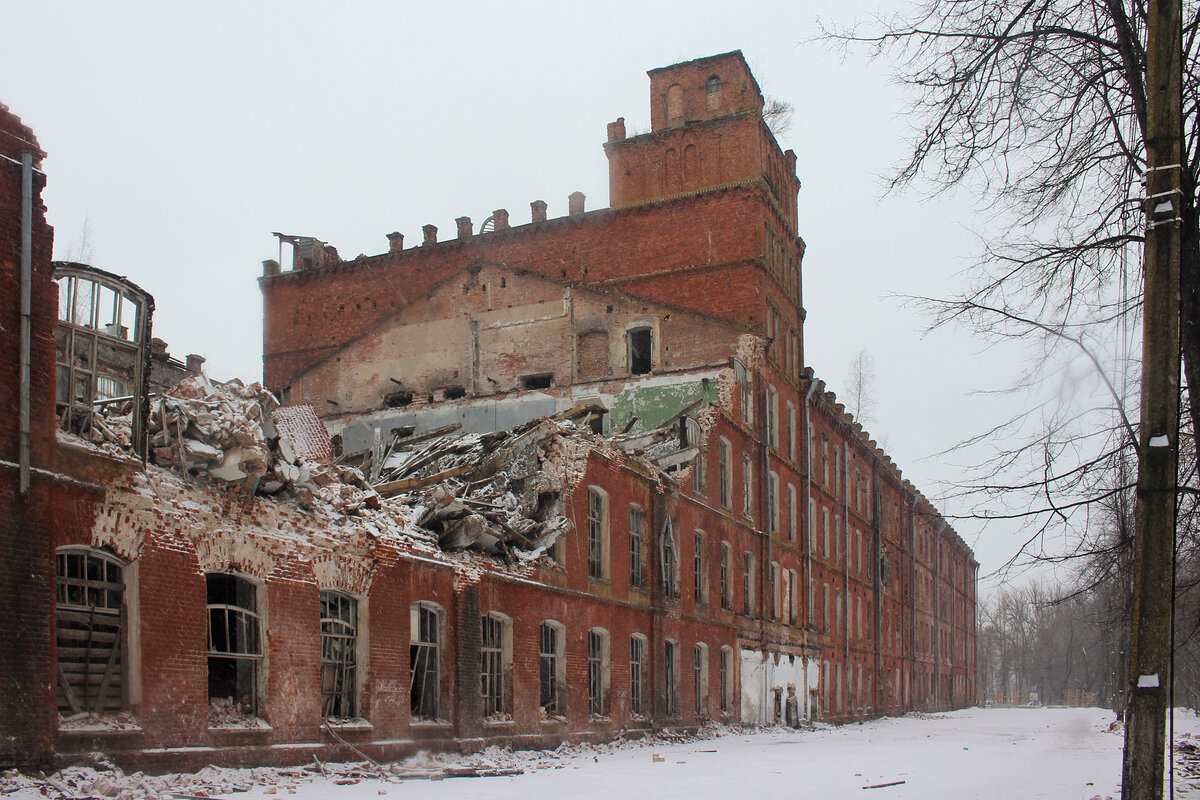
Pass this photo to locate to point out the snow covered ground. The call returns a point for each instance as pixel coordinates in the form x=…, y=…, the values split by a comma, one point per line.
x=1057, y=753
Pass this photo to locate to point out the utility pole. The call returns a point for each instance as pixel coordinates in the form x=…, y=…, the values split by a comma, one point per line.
x=1154, y=542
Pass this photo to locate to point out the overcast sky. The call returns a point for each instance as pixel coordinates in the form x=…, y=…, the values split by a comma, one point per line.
x=180, y=135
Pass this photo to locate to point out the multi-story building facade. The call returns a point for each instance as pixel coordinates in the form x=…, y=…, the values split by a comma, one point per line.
x=772, y=548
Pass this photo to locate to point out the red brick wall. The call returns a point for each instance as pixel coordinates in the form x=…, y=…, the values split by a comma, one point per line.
x=26, y=563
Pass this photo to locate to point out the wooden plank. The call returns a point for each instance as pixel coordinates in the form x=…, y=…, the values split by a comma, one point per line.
x=66, y=653
x=113, y=659
x=82, y=635
x=102, y=617
x=405, y=484
x=68, y=691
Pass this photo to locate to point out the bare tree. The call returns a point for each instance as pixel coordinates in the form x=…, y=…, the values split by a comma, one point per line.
x=1038, y=108
x=778, y=115
x=81, y=251
x=860, y=387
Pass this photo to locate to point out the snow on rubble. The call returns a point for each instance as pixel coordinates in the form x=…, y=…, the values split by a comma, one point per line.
x=1061, y=753
x=250, y=483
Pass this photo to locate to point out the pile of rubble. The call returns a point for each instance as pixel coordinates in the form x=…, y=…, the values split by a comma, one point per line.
x=227, y=433
x=498, y=492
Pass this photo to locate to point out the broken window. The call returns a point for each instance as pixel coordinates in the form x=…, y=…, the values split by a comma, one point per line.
x=597, y=532
x=637, y=566
x=698, y=567
x=669, y=557
x=747, y=486
x=640, y=349
x=726, y=594
x=794, y=597
x=693, y=437
x=742, y=375
x=424, y=661
x=772, y=416
x=495, y=653
x=791, y=513
x=598, y=672
x=712, y=93
x=637, y=674
x=772, y=503
x=339, y=645
x=726, y=466
x=700, y=678
x=748, y=582
x=89, y=591
x=550, y=661
x=726, y=680
x=234, y=642
x=541, y=380
x=101, y=344
x=671, y=677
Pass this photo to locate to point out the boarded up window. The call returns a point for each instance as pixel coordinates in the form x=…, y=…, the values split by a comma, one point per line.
x=339, y=642
x=593, y=355
x=89, y=592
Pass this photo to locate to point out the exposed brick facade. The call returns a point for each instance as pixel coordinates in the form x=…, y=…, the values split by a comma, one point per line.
x=870, y=614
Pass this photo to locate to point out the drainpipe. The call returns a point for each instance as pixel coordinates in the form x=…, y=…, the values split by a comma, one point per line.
x=912, y=598
x=937, y=614
x=809, y=522
x=846, y=565
x=877, y=552
x=760, y=427
x=26, y=314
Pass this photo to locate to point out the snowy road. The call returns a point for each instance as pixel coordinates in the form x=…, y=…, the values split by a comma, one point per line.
x=977, y=753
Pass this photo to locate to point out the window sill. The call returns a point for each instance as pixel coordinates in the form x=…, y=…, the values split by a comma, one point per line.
x=499, y=723
x=431, y=723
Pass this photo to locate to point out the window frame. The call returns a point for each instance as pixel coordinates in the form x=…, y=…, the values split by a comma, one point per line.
x=339, y=655
x=424, y=617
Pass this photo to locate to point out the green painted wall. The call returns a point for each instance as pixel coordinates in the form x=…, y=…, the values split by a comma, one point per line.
x=654, y=405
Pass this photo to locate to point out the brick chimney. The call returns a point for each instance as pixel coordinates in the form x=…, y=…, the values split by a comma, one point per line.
x=575, y=204
x=616, y=130
x=500, y=219
x=430, y=232
x=195, y=363
x=538, y=207
x=395, y=242
x=465, y=232
x=270, y=267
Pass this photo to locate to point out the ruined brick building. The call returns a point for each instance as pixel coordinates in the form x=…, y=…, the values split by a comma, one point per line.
x=599, y=490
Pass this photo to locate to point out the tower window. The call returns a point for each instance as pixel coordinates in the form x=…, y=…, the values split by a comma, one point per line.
x=640, y=347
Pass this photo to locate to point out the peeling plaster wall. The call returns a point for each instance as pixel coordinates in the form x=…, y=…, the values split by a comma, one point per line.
x=762, y=673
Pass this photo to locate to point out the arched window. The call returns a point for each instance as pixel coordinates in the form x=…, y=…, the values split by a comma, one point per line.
x=641, y=350
x=726, y=679
x=700, y=679
x=637, y=675
x=339, y=650
x=234, y=642
x=674, y=102
x=598, y=671
x=597, y=533
x=89, y=591
x=425, y=660
x=712, y=93
x=552, y=675
x=495, y=665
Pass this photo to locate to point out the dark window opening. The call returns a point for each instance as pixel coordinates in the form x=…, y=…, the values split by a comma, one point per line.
x=454, y=392
x=637, y=661
x=339, y=643
x=541, y=380
x=640, y=346
x=234, y=643
x=424, y=660
x=596, y=673
x=491, y=666
x=550, y=670
x=398, y=398
x=671, y=678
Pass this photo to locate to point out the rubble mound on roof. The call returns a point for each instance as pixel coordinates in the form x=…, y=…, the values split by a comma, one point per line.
x=498, y=492
x=226, y=433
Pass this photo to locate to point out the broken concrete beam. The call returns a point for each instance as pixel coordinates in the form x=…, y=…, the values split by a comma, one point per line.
x=677, y=458
x=393, y=488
